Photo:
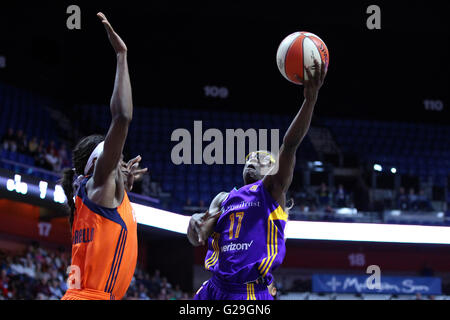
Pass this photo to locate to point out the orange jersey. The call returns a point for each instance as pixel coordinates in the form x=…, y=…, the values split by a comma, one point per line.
x=104, y=248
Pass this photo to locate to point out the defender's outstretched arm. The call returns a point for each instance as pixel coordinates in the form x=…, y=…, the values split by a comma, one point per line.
x=121, y=107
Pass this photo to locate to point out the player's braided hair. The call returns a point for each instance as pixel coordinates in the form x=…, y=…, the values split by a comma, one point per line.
x=80, y=156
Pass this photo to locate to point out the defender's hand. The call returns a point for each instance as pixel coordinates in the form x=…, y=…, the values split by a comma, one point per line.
x=117, y=43
x=132, y=171
x=135, y=171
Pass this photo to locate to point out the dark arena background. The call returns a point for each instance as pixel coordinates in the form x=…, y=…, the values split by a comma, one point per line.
x=371, y=183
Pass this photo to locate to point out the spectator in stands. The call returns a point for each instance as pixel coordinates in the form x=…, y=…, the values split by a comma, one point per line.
x=22, y=145
x=185, y=296
x=43, y=288
x=412, y=199
x=51, y=149
x=52, y=159
x=28, y=279
x=302, y=208
x=156, y=288
x=39, y=158
x=9, y=141
x=163, y=295
x=7, y=264
x=311, y=200
x=402, y=202
x=142, y=293
x=311, y=208
x=40, y=274
x=323, y=195
x=29, y=267
x=16, y=266
x=340, y=197
x=178, y=294
x=20, y=141
x=165, y=284
x=33, y=147
x=157, y=276
x=55, y=289
x=41, y=296
x=4, y=285
x=64, y=156
x=305, y=199
x=422, y=202
x=41, y=147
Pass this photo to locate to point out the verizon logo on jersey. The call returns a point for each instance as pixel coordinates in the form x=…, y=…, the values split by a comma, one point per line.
x=236, y=246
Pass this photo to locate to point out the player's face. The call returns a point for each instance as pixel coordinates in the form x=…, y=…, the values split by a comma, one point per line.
x=256, y=164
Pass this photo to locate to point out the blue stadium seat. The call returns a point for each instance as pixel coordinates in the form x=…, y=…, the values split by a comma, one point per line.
x=13, y=156
x=4, y=154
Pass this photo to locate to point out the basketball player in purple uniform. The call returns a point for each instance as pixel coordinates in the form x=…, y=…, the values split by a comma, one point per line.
x=245, y=227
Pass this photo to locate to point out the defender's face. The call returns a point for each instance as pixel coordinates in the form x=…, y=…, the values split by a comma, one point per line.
x=257, y=165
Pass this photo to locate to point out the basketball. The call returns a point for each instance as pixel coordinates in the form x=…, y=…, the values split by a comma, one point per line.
x=297, y=51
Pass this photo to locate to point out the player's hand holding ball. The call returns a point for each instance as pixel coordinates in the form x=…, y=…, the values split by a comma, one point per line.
x=302, y=58
x=314, y=82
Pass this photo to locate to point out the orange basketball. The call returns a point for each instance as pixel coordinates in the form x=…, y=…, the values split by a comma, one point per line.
x=297, y=51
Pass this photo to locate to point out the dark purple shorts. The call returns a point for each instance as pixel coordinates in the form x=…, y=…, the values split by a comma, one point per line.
x=214, y=289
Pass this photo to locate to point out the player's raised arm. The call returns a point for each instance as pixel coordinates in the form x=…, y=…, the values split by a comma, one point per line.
x=121, y=107
x=279, y=182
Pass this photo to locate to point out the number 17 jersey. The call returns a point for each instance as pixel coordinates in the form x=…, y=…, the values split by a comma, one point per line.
x=248, y=240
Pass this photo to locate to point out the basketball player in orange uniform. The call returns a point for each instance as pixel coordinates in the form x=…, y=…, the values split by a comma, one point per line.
x=104, y=229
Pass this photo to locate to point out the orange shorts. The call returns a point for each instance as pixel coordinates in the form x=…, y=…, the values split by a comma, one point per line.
x=87, y=294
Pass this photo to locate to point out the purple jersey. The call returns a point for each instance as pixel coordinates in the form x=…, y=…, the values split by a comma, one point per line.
x=248, y=240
